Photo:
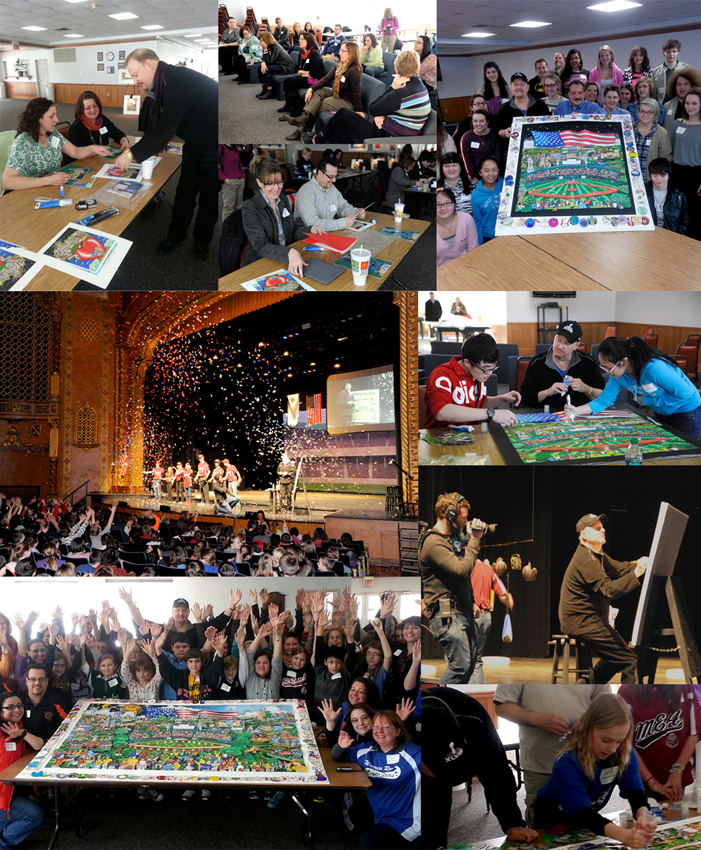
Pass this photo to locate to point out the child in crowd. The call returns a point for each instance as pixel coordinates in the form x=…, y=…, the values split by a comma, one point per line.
x=667, y=205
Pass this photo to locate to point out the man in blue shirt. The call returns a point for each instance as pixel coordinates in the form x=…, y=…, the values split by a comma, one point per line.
x=333, y=45
x=576, y=102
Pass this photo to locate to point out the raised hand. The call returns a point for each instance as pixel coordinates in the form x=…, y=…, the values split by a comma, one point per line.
x=272, y=610
x=208, y=612
x=253, y=596
x=58, y=613
x=126, y=595
x=234, y=598
x=387, y=606
x=349, y=629
x=122, y=636
x=156, y=629
x=344, y=740
x=265, y=629
x=416, y=652
x=405, y=709
x=19, y=621
x=329, y=712
x=197, y=612
x=62, y=644
x=160, y=640
x=210, y=632
x=147, y=645
x=264, y=596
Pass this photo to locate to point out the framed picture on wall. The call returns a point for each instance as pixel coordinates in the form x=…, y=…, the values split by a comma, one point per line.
x=122, y=55
x=100, y=66
x=100, y=57
x=124, y=76
x=110, y=69
x=121, y=66
x=132, y=104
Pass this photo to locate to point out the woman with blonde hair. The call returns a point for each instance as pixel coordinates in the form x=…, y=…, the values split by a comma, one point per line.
x=389, y=25
x=605, y=71
x=401, y=110
x=598, y=757
x=275, y=61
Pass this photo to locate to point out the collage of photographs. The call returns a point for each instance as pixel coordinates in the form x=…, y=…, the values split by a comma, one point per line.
x=415, y=492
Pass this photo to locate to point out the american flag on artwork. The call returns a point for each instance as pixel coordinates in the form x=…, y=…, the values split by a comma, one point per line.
x=563, y=138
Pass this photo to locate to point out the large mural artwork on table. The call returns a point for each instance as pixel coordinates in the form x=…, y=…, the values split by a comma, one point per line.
x=572, y=174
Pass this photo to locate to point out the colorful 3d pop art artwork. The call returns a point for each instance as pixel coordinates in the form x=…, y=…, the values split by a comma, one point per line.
x=240, y=741
x=568, y=174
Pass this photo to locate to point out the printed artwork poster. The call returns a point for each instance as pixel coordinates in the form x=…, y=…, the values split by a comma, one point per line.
x=86, y=253
x=278, y=281
x=16, y=270
x=235, y=742
x=112, y=172
x=132, y=102
x=570, y=174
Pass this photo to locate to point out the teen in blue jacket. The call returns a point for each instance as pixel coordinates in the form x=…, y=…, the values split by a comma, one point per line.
x=485, y=200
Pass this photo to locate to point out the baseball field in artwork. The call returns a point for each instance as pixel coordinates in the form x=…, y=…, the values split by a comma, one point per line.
x=237, y=742
x=590, y=441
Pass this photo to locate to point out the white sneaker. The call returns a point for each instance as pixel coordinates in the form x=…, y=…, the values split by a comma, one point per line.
x=206, y=795
x=189, y=794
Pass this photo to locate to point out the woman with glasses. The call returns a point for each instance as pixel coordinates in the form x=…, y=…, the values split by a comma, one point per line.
x=654, y=379
x=19, y=816
x=645, y=88
x=394, y=767
x=651, y=140
x=456, y=233
x=552, y=86
x=269, y=221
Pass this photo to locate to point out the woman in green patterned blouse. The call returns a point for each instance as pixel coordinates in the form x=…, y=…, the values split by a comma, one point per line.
x=37, y=152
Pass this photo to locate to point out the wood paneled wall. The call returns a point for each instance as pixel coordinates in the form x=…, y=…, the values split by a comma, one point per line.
x=21, y=90
x=525, y=334
x=109, y=95
x=454, y=109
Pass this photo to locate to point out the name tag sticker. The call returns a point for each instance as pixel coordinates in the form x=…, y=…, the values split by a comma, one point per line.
x=333, y=208
x=113, y=683
x=75, y=686
x=650, y=389
x=103, y=130
x=336, y=676
x=343, y=79
x=397, y=652
x=55, y=141
x=474, y=144
x=608, y=775
x=393, y=758
x=285, y=213
x=291, y=674
x=681, y=130
x=10, y=746
x=225, y=687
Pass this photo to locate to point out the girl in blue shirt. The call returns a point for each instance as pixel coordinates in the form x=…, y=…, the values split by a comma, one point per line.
x=653, y=378
x=598, y=757
x=485, y=200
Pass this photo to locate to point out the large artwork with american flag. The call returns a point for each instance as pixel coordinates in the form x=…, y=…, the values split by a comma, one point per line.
x=241, y=741
x=570, y=174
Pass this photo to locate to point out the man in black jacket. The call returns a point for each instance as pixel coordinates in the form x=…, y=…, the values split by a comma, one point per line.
x=591, y=580
x=433, y=311
x=560, y=371
x=183, y=103
x=44, y=710
x=459, y=742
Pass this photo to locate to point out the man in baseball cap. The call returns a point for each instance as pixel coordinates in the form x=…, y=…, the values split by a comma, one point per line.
x=591, y=581
x=522, y=103
x=561, y=371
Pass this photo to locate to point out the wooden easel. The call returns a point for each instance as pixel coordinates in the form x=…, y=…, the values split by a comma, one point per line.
x=681, y=631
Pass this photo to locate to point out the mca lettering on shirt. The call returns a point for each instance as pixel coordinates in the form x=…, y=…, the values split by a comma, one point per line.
x=648, y=732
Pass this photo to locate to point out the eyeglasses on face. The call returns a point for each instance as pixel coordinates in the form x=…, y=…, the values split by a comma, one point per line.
x=14, y=707
x=609, y=371
x=276, y=183
x=482, y=369
x=326, y=174
x=446, y=204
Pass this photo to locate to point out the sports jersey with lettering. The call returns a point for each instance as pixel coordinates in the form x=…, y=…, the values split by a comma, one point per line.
x=202, y=469
x=450, y=384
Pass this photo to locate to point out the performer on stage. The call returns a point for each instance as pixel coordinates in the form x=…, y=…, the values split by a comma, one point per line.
x=286, y=473
x=203, y=471
x=156, y=478
x=346, y=404
x=233, y=476
x=224, y=501
x=169, y=479
x=187, y=483
x=592, y=579
x=179, y=488
x=216, y=469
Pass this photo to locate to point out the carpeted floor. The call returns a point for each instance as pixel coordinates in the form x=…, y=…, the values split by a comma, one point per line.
x=117, y=820
x=142, y=268
x=246, y=120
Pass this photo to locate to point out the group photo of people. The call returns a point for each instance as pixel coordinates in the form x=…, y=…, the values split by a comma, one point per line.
x=647, y=79
x=359, y=684
x=331, y=82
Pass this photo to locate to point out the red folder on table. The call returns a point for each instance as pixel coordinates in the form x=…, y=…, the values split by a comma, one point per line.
x=331, y=242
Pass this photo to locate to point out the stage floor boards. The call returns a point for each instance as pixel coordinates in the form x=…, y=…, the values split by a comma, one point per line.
x=534, y=671
x=321, y=504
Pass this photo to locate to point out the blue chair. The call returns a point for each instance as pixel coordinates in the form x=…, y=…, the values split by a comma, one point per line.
x=427, y=137
x=329, y=65
x=279, y=79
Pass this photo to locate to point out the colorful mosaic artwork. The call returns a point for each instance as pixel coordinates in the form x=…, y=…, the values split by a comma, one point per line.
x=238, y=741
x=592, y=440
x=568, y=174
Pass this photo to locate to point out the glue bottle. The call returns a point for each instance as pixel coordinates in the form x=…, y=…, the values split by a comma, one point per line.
x=634, y=457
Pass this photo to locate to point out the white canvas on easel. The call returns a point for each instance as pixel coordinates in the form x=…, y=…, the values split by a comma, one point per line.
x=669, y=531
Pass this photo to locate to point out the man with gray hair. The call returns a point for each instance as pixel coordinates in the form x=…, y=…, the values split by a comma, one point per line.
x=184, y=103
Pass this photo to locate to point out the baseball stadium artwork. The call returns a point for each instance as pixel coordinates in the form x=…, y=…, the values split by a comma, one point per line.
x=241, y=741
x=568, y=174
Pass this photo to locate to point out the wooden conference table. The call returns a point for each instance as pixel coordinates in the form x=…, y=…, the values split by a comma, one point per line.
x=484, y=443
x=598, y=262
x=395, y=252
x=354, y=780
x=21, y=224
